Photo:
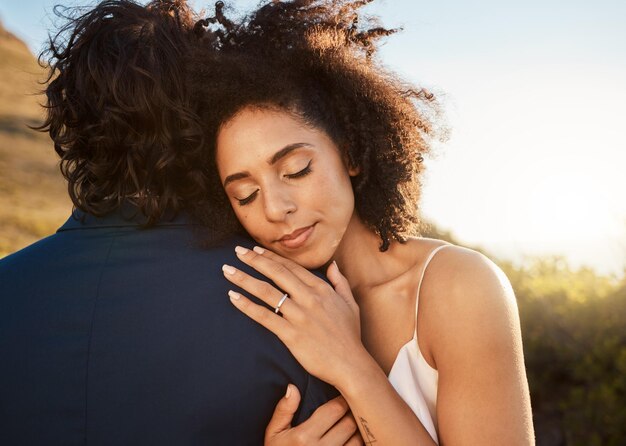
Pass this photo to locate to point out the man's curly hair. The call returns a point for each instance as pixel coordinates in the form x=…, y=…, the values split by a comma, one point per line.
x=118, y=110
x=316, y=60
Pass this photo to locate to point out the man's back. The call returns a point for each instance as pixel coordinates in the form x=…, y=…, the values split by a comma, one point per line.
x=112, y=334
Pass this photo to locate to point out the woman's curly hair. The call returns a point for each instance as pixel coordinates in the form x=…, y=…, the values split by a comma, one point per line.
x=118, y=110
x=315, y=60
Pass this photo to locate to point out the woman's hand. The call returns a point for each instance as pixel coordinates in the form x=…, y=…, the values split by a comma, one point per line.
x=330, y=425
x=320, y=324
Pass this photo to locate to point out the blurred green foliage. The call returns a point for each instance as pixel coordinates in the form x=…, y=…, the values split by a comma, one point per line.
x=574, y=330
x=574, y=333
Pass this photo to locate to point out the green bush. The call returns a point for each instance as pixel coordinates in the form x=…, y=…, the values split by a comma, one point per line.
x=574, y=329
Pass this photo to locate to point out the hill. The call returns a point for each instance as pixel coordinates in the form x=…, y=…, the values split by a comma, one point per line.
x=33, y=198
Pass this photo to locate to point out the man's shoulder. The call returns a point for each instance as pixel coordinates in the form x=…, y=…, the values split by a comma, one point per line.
x=127, y=229
x=29, y=254
x=81, y=249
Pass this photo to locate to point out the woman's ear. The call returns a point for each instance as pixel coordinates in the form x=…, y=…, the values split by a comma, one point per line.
x=353, y=170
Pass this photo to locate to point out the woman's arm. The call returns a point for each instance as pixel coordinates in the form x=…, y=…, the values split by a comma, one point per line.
x=474, y=339
x=472, y=333
x=470, y=324
x=321, y=328
x=381, y=414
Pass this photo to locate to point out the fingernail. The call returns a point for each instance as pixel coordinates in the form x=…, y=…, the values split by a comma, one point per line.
x=241, y=250
x=258, y=250
x=288, y=393
x=336, y=266
x=233, y=295
x=228, y=269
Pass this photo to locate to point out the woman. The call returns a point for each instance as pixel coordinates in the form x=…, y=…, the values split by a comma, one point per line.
x=319, y=152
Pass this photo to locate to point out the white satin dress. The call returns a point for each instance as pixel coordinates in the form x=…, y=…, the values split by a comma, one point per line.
x=413, y=378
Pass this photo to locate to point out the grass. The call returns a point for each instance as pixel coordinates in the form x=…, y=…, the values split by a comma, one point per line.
x=33, y=197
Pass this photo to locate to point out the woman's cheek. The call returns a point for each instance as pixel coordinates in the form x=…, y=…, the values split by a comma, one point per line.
x=251, y=224
x=244, y=218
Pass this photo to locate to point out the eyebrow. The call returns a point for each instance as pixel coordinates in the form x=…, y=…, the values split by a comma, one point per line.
x=271, y=161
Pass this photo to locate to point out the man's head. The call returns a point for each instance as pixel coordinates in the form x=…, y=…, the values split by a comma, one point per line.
x=118, y=110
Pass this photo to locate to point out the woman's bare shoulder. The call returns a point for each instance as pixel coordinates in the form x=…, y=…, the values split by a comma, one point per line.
x=462, y=273
x=417, y=250
x=468, y=302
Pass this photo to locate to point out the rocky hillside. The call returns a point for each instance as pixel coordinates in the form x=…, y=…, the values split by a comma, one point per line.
x=33, y=198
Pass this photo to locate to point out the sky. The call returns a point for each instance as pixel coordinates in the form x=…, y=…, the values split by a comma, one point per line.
x=534, y=93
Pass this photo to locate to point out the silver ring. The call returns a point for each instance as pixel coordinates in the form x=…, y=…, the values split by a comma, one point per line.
x=280, y=302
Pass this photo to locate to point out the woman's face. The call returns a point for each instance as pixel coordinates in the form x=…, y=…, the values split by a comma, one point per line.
x=287, y=183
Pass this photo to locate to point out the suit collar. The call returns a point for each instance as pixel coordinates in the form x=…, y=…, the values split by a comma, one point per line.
x=126, y=215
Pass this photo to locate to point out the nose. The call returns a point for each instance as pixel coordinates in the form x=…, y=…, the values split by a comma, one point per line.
x=278, y=203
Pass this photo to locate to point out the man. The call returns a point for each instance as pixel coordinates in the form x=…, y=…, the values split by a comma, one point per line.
x=118, y=328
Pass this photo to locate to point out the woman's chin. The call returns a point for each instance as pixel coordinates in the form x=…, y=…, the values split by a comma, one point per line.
x=308, y=260
x=316, y=264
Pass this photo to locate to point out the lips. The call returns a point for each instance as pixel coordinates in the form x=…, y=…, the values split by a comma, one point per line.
x=297, y=238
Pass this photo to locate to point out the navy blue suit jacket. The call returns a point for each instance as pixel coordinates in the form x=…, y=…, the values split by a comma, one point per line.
x=115, y=335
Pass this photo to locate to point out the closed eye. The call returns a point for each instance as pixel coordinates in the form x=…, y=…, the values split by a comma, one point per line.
x=303, y=172
x=249, y=199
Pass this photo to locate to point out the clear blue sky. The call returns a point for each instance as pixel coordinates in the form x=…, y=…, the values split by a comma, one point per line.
x=534, y=92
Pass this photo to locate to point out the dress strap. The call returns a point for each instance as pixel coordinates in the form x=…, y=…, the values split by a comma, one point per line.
x=419, y=285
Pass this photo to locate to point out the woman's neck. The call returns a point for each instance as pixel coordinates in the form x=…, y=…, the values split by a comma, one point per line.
x=360, y=260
